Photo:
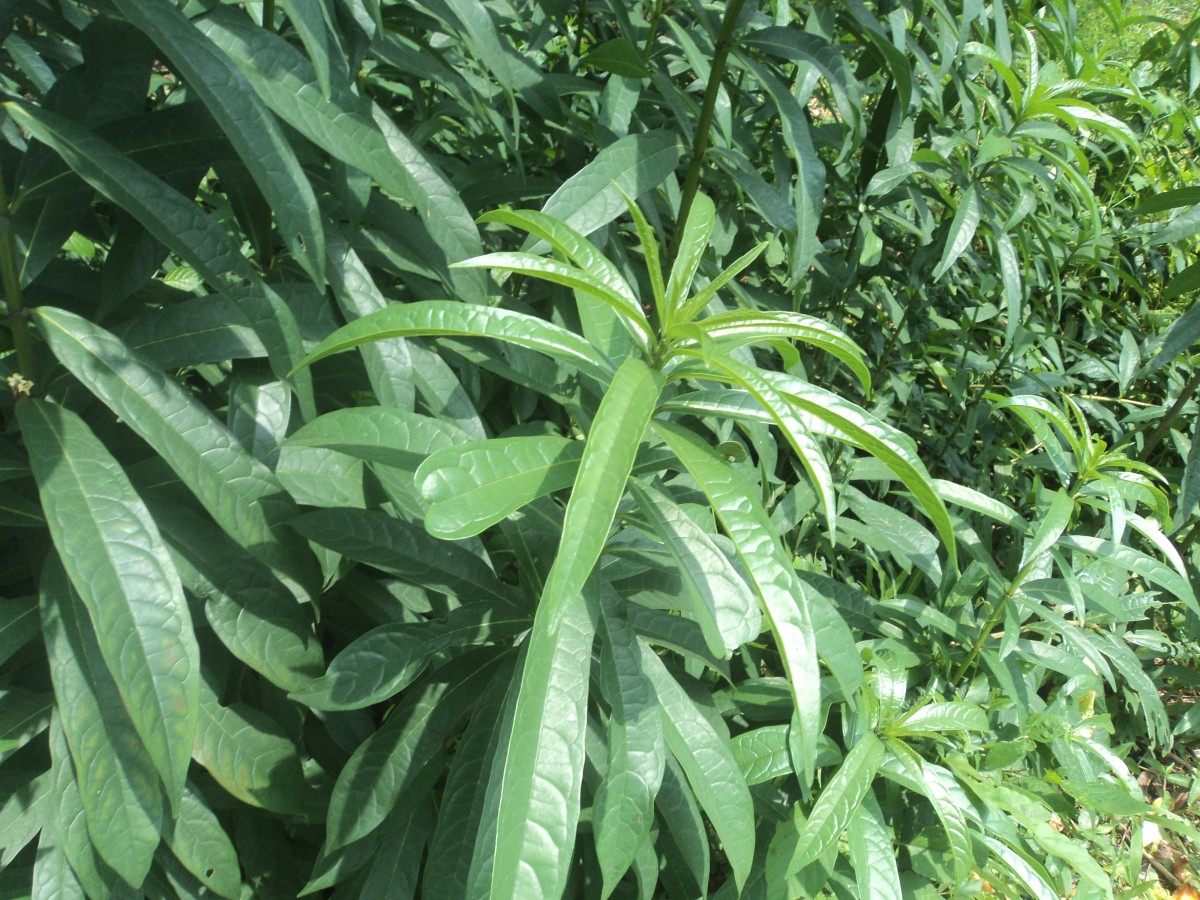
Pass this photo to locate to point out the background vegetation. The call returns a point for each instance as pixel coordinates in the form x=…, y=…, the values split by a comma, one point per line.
x=598, y=449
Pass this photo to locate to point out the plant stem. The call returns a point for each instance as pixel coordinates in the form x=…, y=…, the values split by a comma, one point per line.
x=691, y=181
x=268, y=21
x=1168, y=419
x=22, y=341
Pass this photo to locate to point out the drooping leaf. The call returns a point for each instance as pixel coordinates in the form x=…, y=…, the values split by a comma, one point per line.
x=623, y=807
x=721, y=602
x=117, y=562
x=123, y=801
x=784, y=597
x=711, y=770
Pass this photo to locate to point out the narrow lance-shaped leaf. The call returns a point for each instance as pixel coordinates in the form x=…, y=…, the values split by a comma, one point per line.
x=623, y=809
x=198, y=840
x=406, y=756
x=547, y=269
x=445, y=318
x=608, y=457
x=794, y=429
x=783, y=595
x=839, y=801
x=239, y=492
x=849, y=422
x=721, y=602
x=115, y=557
x=696, y=233
x=541, y=767
x=962, y=229
x=711, y=770
x=386, y=659
x=246, y=122
x=741, y=327
x=122, y=801
x=569, y=242
x=592, y=197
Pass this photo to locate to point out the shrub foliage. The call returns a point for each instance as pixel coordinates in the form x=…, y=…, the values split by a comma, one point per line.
x=526, y=449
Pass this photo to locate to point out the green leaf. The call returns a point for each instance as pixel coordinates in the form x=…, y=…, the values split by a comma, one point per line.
x=608, y=456
x=794, y=428
x=198, y=841
x=254, y=133
x=379, y=434
x=473, y=486
x=1179, y=337
x=839, y=801
x=571, y=244
x=397, y=864
x=894, y=449
x=24, y=811
x=630, y=312
x=387, y=659
x=66, y=817
x=122, y=800
x=433, y=318
x=116, y=559
x=18, y=624
x=712, y=772
x=720, y=601
x=617, y=56
x=623, y=807
x=872, y=854
x=631, y=166
x=404, y=549
x=540, y=769
x=784, y=597
x=239, y=492
x=962, y=229
x=461, y=824
x=249, y=609
x=23, y=716
x=1054, y=522
x=248, y=754
x=1167, y=200
x=697, y=231
x=406, y=756
x=739, y=328
x=935, y=718
x=762, y=753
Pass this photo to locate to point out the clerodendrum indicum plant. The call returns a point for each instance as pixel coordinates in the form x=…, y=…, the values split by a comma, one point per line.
x=803, y=508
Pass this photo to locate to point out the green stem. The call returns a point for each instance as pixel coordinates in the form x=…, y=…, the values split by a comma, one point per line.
x=268, y=15
x=655, y=16
x=1165, y=423
x=17, y=314
x=691, y=181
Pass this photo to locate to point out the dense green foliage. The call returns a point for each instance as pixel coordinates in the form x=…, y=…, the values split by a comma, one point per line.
x=526, y=449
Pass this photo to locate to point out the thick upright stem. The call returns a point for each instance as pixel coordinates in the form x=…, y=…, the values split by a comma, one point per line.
x=691, y=181
x=22, y=340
